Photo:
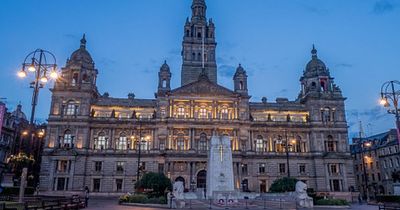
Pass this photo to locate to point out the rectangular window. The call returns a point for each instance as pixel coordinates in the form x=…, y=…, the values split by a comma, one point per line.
x=302, y=168
x=335, y=185
x=62, y=184
x=70, y=110
x=98, y=166
x=334, y=169
x=203, y=113
x=96, y=185
x=181, y=112
x=120, y=166
x=282, y=168
x=331, y=146
x=161, y=168
x=62, y=166
x=261, y=168
x=244, y=169
x=118, y=184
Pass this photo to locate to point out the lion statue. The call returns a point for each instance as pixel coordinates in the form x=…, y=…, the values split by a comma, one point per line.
x=303, y=200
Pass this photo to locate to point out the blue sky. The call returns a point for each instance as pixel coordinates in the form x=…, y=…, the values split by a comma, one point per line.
x=129, y=40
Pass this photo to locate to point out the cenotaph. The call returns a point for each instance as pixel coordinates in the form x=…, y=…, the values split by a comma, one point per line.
x=220, y=166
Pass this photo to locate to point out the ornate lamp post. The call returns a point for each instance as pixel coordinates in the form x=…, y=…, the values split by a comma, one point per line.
x=42, y=64
x=389, y=95
x=365, y=146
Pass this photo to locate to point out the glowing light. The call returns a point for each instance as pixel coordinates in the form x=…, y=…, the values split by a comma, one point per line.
x=25, y=133
x=21, y=74
x=44, y=79
x=53, y=74
x=31, y=68
x=368, y=144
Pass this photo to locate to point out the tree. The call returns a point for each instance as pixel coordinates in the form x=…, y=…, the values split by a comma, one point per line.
x=157, y=183
x=20, y=161
x=285, y=184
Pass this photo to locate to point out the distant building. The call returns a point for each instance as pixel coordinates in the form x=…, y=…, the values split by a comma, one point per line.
x=93, y=139
x=381, y=156
x=10, y=133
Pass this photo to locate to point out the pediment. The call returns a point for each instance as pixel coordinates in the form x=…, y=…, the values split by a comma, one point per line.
x=203, y=87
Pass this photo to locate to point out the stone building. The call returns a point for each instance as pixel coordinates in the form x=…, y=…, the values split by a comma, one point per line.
x=93, y=139
x=376, y=160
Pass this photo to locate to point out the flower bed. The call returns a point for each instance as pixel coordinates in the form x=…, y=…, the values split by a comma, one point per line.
x=331, y=202
x=142, y=198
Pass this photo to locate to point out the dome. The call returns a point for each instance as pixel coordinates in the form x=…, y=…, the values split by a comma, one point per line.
x=81, y=55
x=240, y=70
x=164, y=67
x=315, y=67
x=18, y=114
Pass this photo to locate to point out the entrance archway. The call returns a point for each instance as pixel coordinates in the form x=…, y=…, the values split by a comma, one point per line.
x=202, y=179
x=180, y=179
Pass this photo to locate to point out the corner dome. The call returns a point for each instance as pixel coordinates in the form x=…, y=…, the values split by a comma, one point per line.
x=18, y=114
x=164, y=67
x=315, y=67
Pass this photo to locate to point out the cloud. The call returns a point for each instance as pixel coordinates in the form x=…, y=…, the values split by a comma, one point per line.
x=344, y=65
x=383, y=6
x=226, y=71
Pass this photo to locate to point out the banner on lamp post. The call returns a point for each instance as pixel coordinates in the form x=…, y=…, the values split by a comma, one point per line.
x=2, y=113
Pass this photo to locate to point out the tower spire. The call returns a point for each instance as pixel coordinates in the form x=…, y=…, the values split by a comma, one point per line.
x=199, y=8
x=83, y=41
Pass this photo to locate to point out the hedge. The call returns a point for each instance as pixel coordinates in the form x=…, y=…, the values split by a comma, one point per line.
x=331, y=202
x=388, y=198
x=15, y=191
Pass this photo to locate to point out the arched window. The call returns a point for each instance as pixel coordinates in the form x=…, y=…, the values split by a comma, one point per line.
x=164, y=83
x=68, y=140
x=85, y=78
x=181, y=112
x=280, y=144
x=122, y=142
x=187, y=33
x=241, y=85
x=199, y=56
x=330, y=144
x=224, y=113
x=199, y=35
x=74, y=80
x=203, y=142
x=203, y=113
x=193, y=56
x=260, y=146
x=100, y=142
x=180, y=142
x=326, y=114
x=71, y=108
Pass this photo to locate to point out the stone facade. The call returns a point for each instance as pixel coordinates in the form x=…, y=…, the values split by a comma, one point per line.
x=93, y=140
x=376, y=159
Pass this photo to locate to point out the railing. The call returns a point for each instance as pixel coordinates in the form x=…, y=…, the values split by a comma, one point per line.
x=43, y=203
x=239, y=204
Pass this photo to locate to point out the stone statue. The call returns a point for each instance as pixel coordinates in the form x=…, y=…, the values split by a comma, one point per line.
x=178, y=196
x=302, y=199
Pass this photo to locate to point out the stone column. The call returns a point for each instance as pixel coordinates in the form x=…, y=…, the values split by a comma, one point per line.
x=191, y=138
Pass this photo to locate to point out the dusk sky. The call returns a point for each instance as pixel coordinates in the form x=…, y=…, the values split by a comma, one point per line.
x=358, y=40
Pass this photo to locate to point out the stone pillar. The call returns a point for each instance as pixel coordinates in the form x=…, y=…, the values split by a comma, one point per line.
x=191, y=138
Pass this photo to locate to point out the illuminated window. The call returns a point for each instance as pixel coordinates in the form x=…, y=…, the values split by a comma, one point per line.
x=122, y=143
x=62, y=166
x=181, y=112
x=203, y=142
x=180, y=142
x=67, y=140
x=224, y=114
x=203, y=113
x=100, y=142
x=260, y=146
x=71, y=108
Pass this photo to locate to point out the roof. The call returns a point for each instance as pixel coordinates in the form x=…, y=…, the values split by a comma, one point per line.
x=125, y=102
x=281, y=106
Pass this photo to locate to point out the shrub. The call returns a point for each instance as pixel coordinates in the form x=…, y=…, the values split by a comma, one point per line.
x=142, y=198
x=331, y=202
x=285, y=184
x=388, y=198
x=156, y=182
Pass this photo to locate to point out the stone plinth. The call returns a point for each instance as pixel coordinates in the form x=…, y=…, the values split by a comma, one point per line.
x=219, y=166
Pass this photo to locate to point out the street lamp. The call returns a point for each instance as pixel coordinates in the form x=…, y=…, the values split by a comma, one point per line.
x=390, y=95
x=139, y=144
x=42, y=64
x=365, y=146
